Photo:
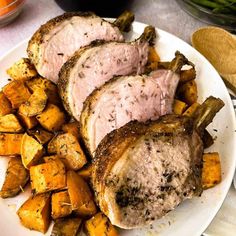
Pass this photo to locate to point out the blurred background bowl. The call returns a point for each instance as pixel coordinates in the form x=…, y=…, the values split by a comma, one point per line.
x=9, y=10
x=105, y=8
x=226, y=21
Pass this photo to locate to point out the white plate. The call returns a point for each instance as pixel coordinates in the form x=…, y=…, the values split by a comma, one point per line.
x=192, y=216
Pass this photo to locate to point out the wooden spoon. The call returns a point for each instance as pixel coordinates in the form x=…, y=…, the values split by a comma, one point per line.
x=219, y=47
x=230, y=81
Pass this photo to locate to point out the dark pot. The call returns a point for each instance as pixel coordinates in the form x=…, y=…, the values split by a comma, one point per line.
x=105, y=8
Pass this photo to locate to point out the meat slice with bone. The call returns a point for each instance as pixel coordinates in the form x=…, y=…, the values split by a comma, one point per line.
x=120, y=100
x=57, y=40
x=144, y=170
x=92, y=66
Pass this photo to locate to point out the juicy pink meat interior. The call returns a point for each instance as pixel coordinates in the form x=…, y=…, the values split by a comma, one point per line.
x=99, y=64
x=131, y=98
x=146, y=166
x=68, y=37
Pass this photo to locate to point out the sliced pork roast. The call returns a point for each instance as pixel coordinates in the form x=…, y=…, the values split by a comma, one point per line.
x=144, y=170
x=120, y=100
x=92, y=66
x=57, y=40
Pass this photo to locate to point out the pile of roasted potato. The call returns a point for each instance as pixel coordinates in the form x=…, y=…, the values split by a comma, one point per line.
x=43, y=143
x=44, y=146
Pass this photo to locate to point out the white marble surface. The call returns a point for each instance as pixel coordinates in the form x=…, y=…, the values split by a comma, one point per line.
x=224, y=224
x=166, y=15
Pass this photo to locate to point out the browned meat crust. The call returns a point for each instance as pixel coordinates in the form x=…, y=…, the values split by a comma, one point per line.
x=37, y=39
x=64, y=74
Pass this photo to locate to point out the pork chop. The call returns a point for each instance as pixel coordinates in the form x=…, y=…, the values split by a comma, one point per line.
x=54, y=42
x=142, y=171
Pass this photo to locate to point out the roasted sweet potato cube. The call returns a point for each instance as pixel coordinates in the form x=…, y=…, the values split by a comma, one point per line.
x=67, y=227
x=22, y=70
x=16, y=92
x=153, y=55
x=69, y=151
x=28, y=122
x=100, y=225
x=52, y=118
x=187, y=92
x=5, y=105
x=41, y=135
x=16, y=178
x=50, y=158
x=153, y=59
x=211, y=171
x=48, y=86
x=52, y=146
x=35, y=212
x=35, y=104
x=31, y=151
x=61, y=205
x=48, y=176
x=86, y=172
x=179, y=107
x=80, y=194
x=190, y=111
x=10, y=124
x=10, y=144
x=72, y=128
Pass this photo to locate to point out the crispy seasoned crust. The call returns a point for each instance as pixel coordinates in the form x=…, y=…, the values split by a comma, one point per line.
x=172, y=124
x=108, y=146
x=87, y=109
x=109, y=151
x=36, y=40
x=63, y=80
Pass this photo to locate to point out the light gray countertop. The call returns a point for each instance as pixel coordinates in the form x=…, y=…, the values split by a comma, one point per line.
x=166, y=15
